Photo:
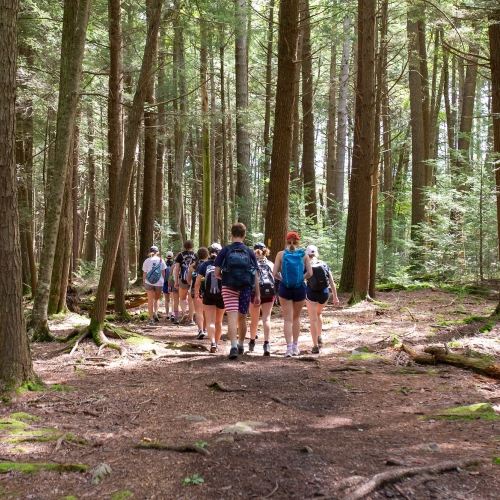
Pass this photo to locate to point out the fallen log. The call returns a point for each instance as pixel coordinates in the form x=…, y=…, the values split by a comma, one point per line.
x=434, y=354
x=396, y=475
x=131, y=300
x=184, y=448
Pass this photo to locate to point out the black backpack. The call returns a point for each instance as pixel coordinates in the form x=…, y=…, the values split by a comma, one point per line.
x=187, y=259
x=266, y=280
x=212, y=286
x=319, y=279
x=238, y=272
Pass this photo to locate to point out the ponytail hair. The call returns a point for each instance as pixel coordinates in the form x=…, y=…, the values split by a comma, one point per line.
x=262, y=253
x=291, y=243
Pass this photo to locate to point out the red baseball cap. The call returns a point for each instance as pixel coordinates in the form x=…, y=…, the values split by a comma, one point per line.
x=292, y=235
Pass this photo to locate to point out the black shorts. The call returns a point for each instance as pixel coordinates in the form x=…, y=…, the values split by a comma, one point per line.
x=319, y=297
x=218, y=303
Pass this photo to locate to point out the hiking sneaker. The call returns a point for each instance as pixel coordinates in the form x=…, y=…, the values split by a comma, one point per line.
x=201, y=335
x=176, y=321
x=151, y=322
x=233, y=353
x=241, y=349
x=172, y=318
x=296, y=350
x=167, y=318
x=251, y=345
x=191, y=322
x=214, y=348
x=155, y=317
x=289, y=353
x=184, y=319
x=267, y=349
x=320, y=340
x=315, y=349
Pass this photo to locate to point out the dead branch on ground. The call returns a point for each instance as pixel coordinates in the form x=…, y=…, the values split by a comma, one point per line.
x=184, y=448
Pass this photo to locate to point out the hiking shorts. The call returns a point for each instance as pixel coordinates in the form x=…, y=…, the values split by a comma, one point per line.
x=153, y=288
x=294, y=294
x=183, y=286
x=319, y=297
x=235, y=300
x=263, y=300
x=218, y=303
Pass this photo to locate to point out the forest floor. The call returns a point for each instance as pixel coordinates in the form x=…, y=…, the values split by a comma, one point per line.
x=292, y=428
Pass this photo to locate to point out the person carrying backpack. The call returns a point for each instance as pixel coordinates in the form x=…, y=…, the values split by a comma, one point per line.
x=267, y=295
x=169, y=260
x=289, y=268
x=153, y=275
x=236, y=267
x=201, y=257
x=317, y=294
x=182, y=263
x=207, y=291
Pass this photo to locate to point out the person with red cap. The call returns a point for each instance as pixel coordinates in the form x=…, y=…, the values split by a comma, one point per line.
x=292, y=267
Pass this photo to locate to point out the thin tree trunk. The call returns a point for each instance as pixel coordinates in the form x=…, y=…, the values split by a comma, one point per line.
x=225, y=190
x=277, y=209
x=75, y=196
x=205, y=141
x=91, y=226
x=295, y=167
x=331, y=135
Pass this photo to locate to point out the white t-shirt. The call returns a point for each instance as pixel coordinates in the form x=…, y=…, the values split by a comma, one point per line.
x=148, y=265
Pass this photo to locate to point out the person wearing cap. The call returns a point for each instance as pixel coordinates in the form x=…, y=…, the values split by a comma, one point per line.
x=213, y=309
x=292, y=267
x=153, y=289
x=169, y=260
x=266, y=303
x=316, y=299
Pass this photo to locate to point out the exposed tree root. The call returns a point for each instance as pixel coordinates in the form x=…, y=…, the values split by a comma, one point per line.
x=100, y=338
x=435, y=354
x=184, y=448
x=84, y=335
x=397, y=475
x=221, y=387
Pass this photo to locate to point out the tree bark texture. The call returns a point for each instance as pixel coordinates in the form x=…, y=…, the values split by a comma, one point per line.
x=363, y=153
x=91, y=222
x=75, y=196
x=308, y=167
x=277, y=209
x=330, y=137
x=117, y=215
x=75, y=20
x=15, y=357
x=243, y=173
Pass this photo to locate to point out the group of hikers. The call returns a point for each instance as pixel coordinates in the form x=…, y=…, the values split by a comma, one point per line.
x=237, y=280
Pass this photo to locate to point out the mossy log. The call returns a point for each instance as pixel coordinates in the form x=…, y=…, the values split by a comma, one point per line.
x=184, y=448
x=434, y=354
x=131, y=300
x=485, y=366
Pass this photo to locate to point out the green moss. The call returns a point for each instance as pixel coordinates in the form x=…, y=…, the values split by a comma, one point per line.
x=25, y=416
x=69, y=497
x=496, y=461
x=28, y=467
x=10, y=424
x=405, y=371
x=36, y=386
x=60, y=387
x=61, y=315
x=431, y=372
x=366, y=356
x=334, y=379
x=137, y=339
x=464, y=321
x=121, y=495
x=381, y=304
x=488, y=326
x=478, y=411
x=32, y=436
x=143, y=316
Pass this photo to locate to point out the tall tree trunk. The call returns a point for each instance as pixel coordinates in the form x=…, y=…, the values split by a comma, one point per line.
x=15, y=357
x=362, y=165
x=277, y=209
x=243, y=172
x=115, y=146
x=75, y=20
x=117, y=215
x=91, y=225
x=308, y=167
x=205, y=140
x=418, y=142
x=225, y=191
x=338, y=194
x=331, y=135
x=295, y=166
x=75, y=196
x=149, y=189
x=267, y=116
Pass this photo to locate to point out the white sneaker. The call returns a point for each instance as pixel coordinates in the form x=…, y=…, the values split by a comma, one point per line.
x=296, y=350
x=288, y=353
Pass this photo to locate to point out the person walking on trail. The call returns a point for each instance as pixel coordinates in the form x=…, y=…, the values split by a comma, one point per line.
x=317, y=294
x=267, y=296
x=292, y=267
x=153, y=276
x=169, y=260
x=208, y=291
x=182, y=263
x=236, y=267
x=201, y=257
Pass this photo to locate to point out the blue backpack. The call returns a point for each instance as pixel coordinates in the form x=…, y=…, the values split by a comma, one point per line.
x=292, y=268
x=238, y=271
x=154, y=274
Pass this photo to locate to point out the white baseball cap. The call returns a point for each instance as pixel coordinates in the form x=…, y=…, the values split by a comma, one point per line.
x=169, y=255
x=312, y=250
